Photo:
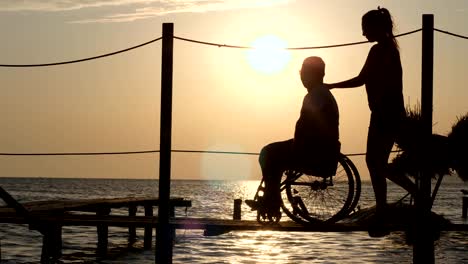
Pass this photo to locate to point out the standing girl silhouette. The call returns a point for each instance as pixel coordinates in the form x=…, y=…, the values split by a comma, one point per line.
x=382, y=77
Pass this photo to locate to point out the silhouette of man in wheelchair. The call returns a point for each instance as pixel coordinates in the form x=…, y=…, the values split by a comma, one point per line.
x=315, y=146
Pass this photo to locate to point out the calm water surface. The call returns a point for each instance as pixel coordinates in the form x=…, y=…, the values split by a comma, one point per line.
x=215, y=199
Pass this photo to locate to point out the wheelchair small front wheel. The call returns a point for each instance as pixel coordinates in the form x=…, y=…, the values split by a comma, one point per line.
x=265, y=217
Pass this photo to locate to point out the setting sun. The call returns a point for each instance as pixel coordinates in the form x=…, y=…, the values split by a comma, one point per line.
x=268, y=55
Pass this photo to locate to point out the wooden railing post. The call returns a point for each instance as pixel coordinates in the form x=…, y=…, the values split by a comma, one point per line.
x=163, y=250
x=423, y=248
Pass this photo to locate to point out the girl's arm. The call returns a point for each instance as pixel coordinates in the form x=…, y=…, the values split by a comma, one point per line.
x=351, y=83
x=359, y=80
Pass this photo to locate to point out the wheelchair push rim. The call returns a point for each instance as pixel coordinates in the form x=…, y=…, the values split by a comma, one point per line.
x=311, y=199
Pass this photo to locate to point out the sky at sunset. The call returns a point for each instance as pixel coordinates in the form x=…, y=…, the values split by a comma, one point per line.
x=223, y=99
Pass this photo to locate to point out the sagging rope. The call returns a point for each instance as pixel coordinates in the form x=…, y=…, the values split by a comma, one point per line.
x=146, y=152
x=296, y=48
x=450, y=33
x=184, y=39
x=80, y=153
x=80, y=60
x=210, y=44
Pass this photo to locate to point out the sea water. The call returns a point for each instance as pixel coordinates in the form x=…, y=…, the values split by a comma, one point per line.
x=214, y=199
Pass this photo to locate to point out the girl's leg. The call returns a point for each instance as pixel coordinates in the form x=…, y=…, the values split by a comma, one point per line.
x=379, y=146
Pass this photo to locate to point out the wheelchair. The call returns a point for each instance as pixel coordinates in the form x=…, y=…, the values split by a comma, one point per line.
x=311, y=197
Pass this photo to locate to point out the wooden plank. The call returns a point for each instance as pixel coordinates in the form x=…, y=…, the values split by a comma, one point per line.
x=245, y=225
x=251, y=225
x=21, y=211
x=93, y=205
x=207, y=223
x=19, y=208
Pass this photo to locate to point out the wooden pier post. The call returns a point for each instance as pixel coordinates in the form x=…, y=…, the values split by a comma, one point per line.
x=51, y=243
x=102, y=232
x=423, y=248
x=132, y=209
x=237, y=209
x=464, y=206
x=148, y=229
x=173, y=230
x=164, y=239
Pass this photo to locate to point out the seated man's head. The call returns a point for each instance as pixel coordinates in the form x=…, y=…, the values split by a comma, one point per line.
x=312, y=72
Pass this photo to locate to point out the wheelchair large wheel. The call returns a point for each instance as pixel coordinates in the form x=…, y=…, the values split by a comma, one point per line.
x=313, y=199
x=291, y=209
x=357, y=185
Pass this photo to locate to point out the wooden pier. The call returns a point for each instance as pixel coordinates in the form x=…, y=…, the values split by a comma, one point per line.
x=48, y=217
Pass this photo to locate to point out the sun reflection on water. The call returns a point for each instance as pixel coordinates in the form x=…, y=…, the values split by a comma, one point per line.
x=261, y=246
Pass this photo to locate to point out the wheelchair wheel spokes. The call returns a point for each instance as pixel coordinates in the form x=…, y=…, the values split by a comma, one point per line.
x=315, y=198
x=289, y=207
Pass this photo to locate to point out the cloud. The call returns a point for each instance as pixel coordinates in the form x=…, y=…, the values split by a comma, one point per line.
x=137, y=9
x=60, y=5
x=65, y=5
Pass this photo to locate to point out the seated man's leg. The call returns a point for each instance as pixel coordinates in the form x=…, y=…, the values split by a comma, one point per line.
x=274, y=159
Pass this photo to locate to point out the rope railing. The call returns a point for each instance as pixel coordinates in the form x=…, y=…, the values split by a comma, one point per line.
x=294, y=48
x=148, y=152
x=210, y=44
x=215, y=152
x=80, y=153
x=450, y=33
x=80, y=60
x=183, y=39
x=193, y=41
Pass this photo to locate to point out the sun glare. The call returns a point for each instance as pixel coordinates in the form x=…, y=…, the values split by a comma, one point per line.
x=268, y=55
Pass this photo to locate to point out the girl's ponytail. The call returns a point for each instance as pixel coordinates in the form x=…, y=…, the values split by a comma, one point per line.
x=381, y=20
